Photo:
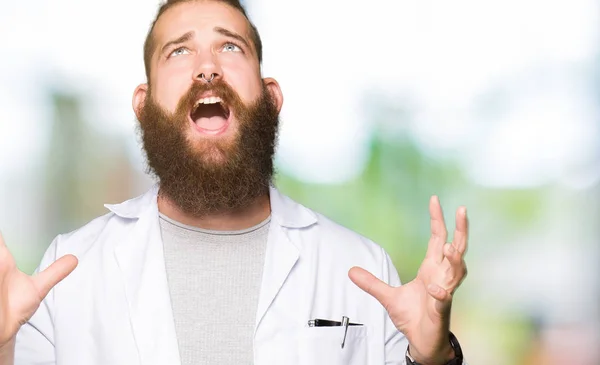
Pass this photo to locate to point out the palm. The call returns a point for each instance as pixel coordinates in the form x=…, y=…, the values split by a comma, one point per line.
x=421, y=308
x=22, y=301
x=22, y=294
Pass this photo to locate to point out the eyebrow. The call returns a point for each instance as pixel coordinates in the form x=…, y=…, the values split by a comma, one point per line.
x=184, y=38
x=233, y=35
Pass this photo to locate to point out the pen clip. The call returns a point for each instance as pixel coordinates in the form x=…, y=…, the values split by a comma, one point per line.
x=345, y=323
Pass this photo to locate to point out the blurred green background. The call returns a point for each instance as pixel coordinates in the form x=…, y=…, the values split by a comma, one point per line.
x=385, y=106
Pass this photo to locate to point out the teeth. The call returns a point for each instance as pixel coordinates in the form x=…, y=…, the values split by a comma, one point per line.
x=209, y=100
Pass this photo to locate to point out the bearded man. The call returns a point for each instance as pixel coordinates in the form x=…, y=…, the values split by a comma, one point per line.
x=214, y=265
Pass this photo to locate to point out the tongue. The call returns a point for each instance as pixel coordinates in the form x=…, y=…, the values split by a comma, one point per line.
x=211, y=123
x=210, y=117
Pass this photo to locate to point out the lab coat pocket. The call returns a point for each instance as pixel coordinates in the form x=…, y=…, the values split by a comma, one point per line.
x=323, y=346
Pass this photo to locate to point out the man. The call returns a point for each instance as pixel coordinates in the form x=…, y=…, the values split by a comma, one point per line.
x=213, y=265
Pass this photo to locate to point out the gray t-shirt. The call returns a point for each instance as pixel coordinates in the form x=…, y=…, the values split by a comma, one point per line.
x=214, y=280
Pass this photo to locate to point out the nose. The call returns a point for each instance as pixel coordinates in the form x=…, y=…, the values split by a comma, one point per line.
x=208, y=69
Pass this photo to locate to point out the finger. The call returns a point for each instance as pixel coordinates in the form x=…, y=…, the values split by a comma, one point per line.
x=7, y=261
x=443, y=299
x=452, y=254
x=439, y=234
x=457, y=271
x=370, y=284
x=55, y=273
x=461, y=234
x=3, y=246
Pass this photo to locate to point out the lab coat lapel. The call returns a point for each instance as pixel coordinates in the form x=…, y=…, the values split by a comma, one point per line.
x=141, y=260
x=280, y=258
x=282, y=251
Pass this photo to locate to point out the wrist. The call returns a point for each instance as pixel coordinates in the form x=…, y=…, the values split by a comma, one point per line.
x=10, y=344
x=7, y=352
x=444, y=356
x=448, y=355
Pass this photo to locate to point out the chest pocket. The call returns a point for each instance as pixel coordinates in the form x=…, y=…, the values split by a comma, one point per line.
x=323, y=346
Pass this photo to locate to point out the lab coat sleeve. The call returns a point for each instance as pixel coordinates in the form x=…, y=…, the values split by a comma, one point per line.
x=35, y=339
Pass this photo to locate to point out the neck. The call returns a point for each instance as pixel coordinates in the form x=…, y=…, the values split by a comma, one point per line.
x=236, y=220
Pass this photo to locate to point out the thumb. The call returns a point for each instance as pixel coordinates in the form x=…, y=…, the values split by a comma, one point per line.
x=47, y=279
x=370, y=284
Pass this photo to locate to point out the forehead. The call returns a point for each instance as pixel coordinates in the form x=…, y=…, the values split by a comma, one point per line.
x=198, y=16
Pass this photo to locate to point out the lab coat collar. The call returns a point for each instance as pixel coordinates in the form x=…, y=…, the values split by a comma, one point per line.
x=284, y=210
x=133, y=208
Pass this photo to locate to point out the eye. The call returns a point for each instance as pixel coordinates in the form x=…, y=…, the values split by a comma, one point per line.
x=179, y=51
x=231, y=47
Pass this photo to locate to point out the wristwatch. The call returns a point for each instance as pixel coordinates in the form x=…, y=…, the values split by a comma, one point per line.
x=458, y=355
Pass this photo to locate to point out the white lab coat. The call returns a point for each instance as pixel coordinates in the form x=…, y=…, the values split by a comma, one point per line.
x=115, y=307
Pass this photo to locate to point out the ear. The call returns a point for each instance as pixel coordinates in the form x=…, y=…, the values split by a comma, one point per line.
x=273, y=88
x=139, y=98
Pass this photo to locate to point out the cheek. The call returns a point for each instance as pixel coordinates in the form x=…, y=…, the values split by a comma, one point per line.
x=171, y=84
x=244, y=79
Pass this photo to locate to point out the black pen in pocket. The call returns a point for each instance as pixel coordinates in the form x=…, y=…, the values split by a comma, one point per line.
x=317, y=322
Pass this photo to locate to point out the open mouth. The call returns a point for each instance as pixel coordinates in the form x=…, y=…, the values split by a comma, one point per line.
x=210, y=115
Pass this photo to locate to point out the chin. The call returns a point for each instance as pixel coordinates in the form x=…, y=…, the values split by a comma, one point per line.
x=211, y=150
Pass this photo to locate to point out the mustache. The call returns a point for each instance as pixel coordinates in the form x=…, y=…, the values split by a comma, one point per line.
x=218, y=88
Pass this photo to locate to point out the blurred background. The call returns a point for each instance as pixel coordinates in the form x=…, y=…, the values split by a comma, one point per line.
x=490, y=104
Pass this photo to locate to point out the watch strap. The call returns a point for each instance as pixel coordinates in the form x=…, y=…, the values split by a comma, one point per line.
x=458, y=354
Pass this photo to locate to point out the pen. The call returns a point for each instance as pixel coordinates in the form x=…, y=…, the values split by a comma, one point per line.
x=317, y=322
x=345, y=323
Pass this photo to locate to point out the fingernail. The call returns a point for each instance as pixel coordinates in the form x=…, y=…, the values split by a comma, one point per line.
x=451, y=248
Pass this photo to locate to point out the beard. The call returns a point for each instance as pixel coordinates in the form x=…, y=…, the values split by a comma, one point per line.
x=211, y=175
